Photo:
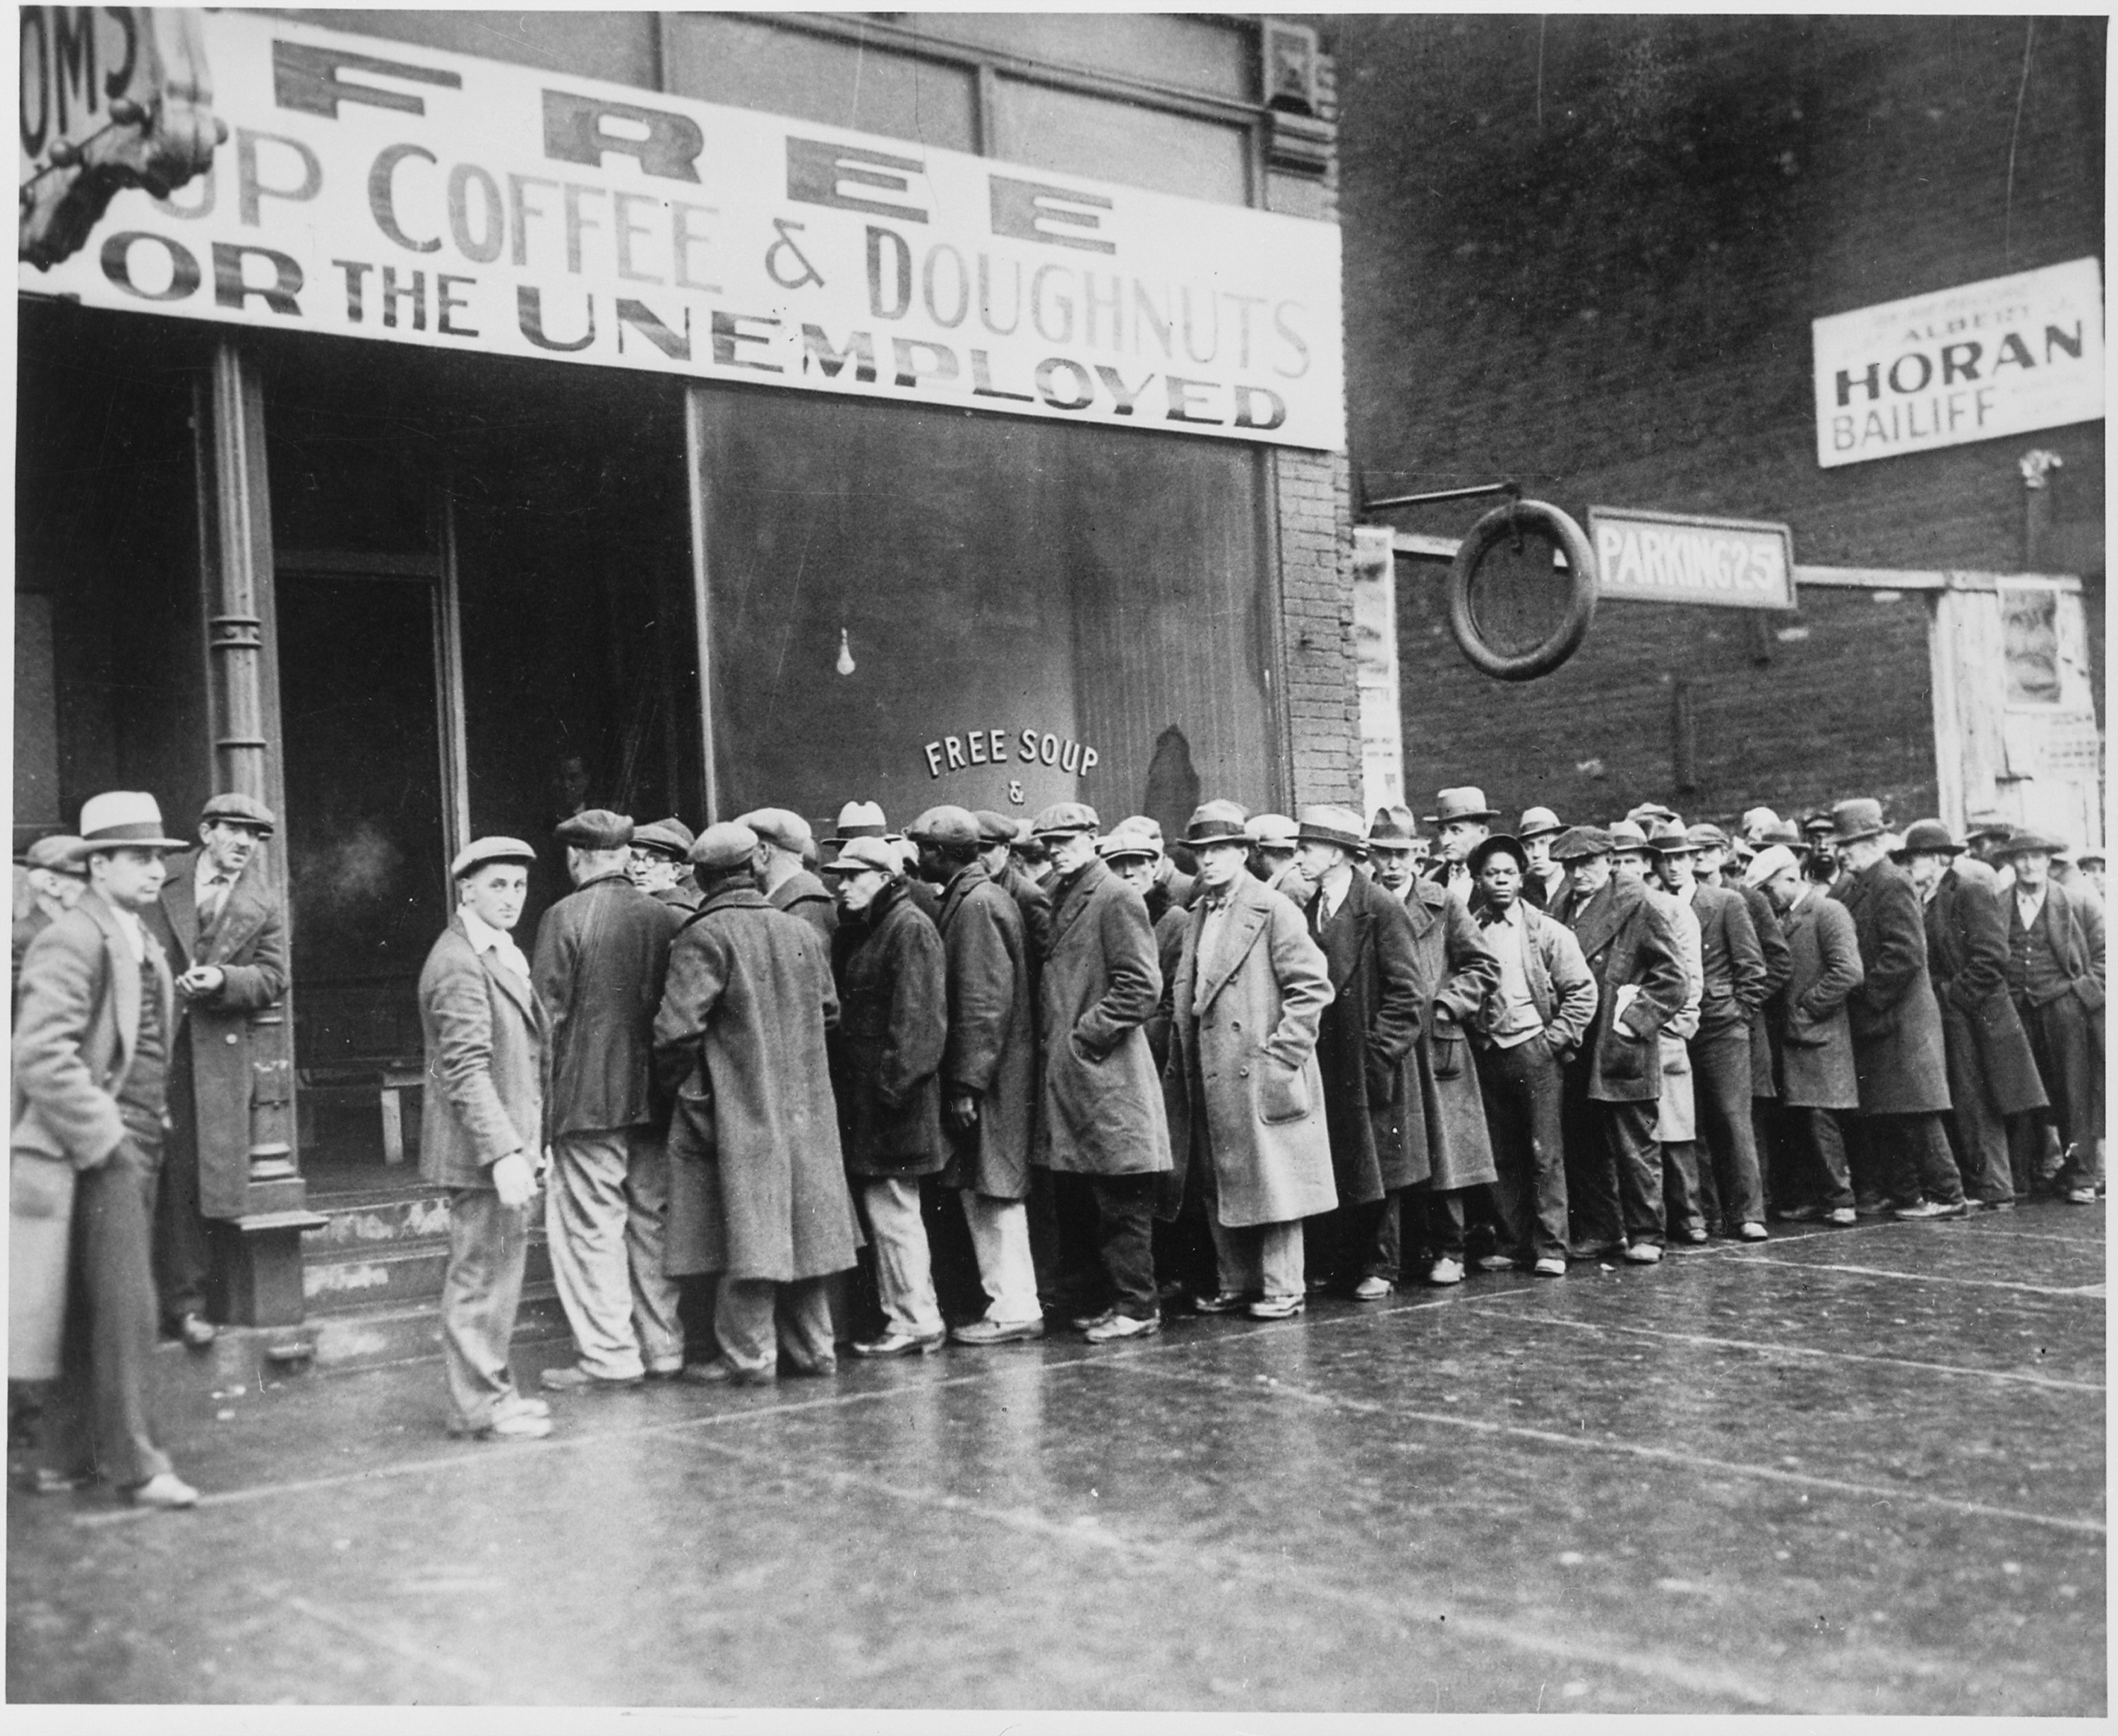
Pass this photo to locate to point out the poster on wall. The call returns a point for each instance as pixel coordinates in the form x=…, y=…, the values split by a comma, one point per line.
x=402, y=194
x=1375, y=666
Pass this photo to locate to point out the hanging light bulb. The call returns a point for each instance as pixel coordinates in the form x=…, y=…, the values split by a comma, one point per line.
x=846, y=664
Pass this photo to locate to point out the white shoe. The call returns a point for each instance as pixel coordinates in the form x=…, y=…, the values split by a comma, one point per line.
x=1644, y=1253
x=1445, y=1271
x=165, y=1490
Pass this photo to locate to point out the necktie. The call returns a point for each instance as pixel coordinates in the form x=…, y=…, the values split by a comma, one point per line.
x=216, y=895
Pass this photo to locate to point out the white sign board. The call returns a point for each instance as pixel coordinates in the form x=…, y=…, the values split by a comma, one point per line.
x=376, y=190
x=2007, y=356
x=1375, y=667
x=1681, y=558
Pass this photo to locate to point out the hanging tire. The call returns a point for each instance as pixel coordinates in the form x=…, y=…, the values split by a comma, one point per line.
x=1554, y=526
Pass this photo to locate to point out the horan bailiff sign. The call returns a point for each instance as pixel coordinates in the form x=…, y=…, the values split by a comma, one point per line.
x=1679, y=558
x=2007, y=356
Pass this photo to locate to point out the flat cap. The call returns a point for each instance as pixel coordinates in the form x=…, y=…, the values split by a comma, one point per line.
x=1706, y=837
x=1066, y=816
x=240, y=810
x=1271, y=831
x=595, y=829
x=2086, y=857
x=779, y=825
x=1769, y=861
x=58, y=854
x=1650, y=811
x=863, y=854
x=484, y=852
x=860, y=819
x=1539, y=822
x=947, y=824
x=1218, y=822
x=1326, y=822
x=996, y=828
x=726, y=845
x=1578, y=841
x=1146, y=825
x=669, y=837
x=1127, y=841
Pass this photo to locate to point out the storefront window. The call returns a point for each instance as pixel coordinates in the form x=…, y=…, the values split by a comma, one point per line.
x=1111, y=141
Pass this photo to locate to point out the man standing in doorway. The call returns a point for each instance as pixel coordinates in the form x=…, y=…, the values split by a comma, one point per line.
x=602, y=953
x=221, y=920
x=482, y=1132
x=2056, y=979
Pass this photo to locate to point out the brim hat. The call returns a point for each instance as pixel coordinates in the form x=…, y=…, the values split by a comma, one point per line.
x=1706, y=837
x=1327, y=823
x=1219, y=822
x=995, y=828
x=2086, y=857
x=780, y=826
x=1393, y=829
x=1773, y=859
x=1928, y=838
x=1669, y=839
x=123, y=819
x=1271, y=831
x=1988, y=825
x=1648, y=812
x=1578, y=842
x=1539, y=822
x=861, y=854
x=859, y=820
x=1625, y=834
x=1500, y=843
x=2024, y=842
x=1787, y=835
x=1061, y=818
x=57, y=854
x=670, y=837
x=484, y=852
x=1851, y=821
x=1468, y=802
x=238, y=809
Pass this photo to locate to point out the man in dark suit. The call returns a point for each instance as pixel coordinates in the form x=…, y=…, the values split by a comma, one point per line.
x=482, y=1132
x=92, y=1049
x=221, y=922
x=602, y=952
x=1992, y=1073
x=1614, y=1081
x=1897, y=1026
x=2056, y=979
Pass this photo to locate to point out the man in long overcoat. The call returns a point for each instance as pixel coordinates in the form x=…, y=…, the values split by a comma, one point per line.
x=988, y=1072
x=602, y=951
x=1817, y=1081
x=757, y=1184
x=92, y=1041
x=220, y=921
x=783, y=837
x=1245, y=1095
x=1897, y=1025
x=893, y=1024
x=1100, y=1116
x=2056, y=979
x=998, y=837
x=1992, y=1074
x=1372, y=1102
x=482, y=1132
x=1614, y=1083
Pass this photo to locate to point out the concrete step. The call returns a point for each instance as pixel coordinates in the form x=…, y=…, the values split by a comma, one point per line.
x=367, y=1220
x=392, y=1273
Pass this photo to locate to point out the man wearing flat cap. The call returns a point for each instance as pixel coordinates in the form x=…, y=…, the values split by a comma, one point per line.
x=783, y=836
x=2056, y=979
x=1898, y=1050
x=1272, y=838
x=602, y=951
x=1992, y=1072
x=1464, y=821
x=1175, y=886
x=658, y=864
x=56, y=881
x=221, y=922
x=92, y=1042
x=1100, y=1125
x=757, y=1180
x=482, y=1132
x=1544, y=882
x=999, y=840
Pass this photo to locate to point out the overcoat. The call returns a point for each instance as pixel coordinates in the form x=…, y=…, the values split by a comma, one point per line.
x=991, y=1047
x=1896, y=1024
x=1372, y=1099
x=684, y=897
x=1676, y=1111
x=75, y=1029
x=1629, y=942
x=248, y=944
x=1243, y=1088
x=757, y=1186
x=1731, y=961
x=802, y=894
x=893, y=1022
x=1765, y=1017
x=1967, y=955
x=1456, y=970
x=1099, y=1099
x=488, y=1064
x=1816, y=1044
x=602, y=953
x=1035, y=904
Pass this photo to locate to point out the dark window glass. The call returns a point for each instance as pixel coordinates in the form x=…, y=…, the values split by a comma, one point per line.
x=1194, y=53
x=1111, y=141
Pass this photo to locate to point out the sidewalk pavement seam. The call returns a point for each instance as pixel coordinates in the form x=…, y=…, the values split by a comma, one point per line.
x=389, y=1640
x=2076, y=1291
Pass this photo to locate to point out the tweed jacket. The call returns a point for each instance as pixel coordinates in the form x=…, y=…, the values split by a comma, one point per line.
x=602, y=953
x=487, y=1062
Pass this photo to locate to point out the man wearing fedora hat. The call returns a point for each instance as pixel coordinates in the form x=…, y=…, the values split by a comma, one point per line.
x=1464, y=821
x=56, y=881
x=1175, y=886
x=92, y=1036
x=2056, y=979
x=784, y=838
x=1394, y=850
x=1544, y=881
x=1992, y=1072
x=658, y=864
x=1897, y=1049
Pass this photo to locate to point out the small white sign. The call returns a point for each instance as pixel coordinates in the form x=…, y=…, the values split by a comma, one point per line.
x=1682, y=558
x=2004, y=357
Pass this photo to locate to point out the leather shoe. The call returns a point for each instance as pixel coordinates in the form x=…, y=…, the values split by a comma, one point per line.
x=999, y=1331
x=1373, y=1290
x=197, y=1331
x=1088, y=1323
x=166, y=1490
x=1551, y=1266
x=1751, y=1233
x=514, y=1401
x=511, y=1424
x=2081, y=1196
x=1445, y=1271
x=1221, y=1301
x=1276, y=1308
x=1931, y=1209
x=720, y=1372
x=1496, y=1262
x=1844, y=1216
x=1123, y=1326
x=1801, y=1214
x=901, y=1343
x=575, y=1378
x=1644, y=1253
x=1602, y=1251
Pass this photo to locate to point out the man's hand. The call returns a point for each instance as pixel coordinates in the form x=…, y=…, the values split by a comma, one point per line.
x=514, y=1180
x=203, y=979
x=962, y=1108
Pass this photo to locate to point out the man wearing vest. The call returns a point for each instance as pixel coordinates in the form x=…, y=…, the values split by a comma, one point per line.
x=2056, y=979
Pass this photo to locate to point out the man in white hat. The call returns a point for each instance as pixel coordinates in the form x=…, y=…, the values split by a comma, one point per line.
x=93, y=1037
x=482, y=1132
x=1272, y=839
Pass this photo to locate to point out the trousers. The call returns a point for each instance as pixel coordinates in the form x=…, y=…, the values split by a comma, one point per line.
x=481, y=1292
x=1721, y=1089
x=1353, y=1242
x=1977, y=1129
x=2063, y=1038
x=183, y=1253
x=755, y=1320
x=1000, y=1237
x=1914, y=1158
x=1258, y=1259
x=606, y=1215
x=1613, y=1167
x=1522, y=1088
x=1816, y=1142
x=904, y=1268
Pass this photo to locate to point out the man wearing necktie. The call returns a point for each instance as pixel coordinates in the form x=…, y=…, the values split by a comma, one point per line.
x=221, y=920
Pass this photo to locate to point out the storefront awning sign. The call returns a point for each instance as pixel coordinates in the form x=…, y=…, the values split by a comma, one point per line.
x=378, y=190
x=1681, y=558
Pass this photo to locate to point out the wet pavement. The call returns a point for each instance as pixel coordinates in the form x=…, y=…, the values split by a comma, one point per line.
x=1847, y=1471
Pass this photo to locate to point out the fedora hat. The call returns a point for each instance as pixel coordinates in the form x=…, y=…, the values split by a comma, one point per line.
x=1328, y=823
x=1466, y=802
x=56, y=855
x=1539, y=822
x=1852, y=821
x=1499, y=843
x=859, y=820
x=1271, y=831
x=1393, y=829
x=1669, y=839
x=2029, y=839
x=238, y=809
x=123, y=818
x=1928, y=838
x=1625, y=834
x=1217, y=822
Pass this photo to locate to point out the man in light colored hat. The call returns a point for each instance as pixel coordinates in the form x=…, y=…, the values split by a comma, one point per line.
x=1245, y=1097
x=220, y=919
x=602, y=953
x=757, y=1186
x=658, y=864
x=1898, y=1049
x=782, y=838
x=1647, y=815
x=1544, y=882
x=1635, y=861
x=1175, y=885
x=1817, y=1081
x=1100, y=1125
x=1756, y=823
x=2056, y=979
x=1372, y=1103
x=482, y=1132
x=988, y=1070
x=56, y=880
x=892, y=985
x=1992, y=1071
x=93, y=1034
x=1272, y=838
x=1465, y=821
x=1394, y=850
